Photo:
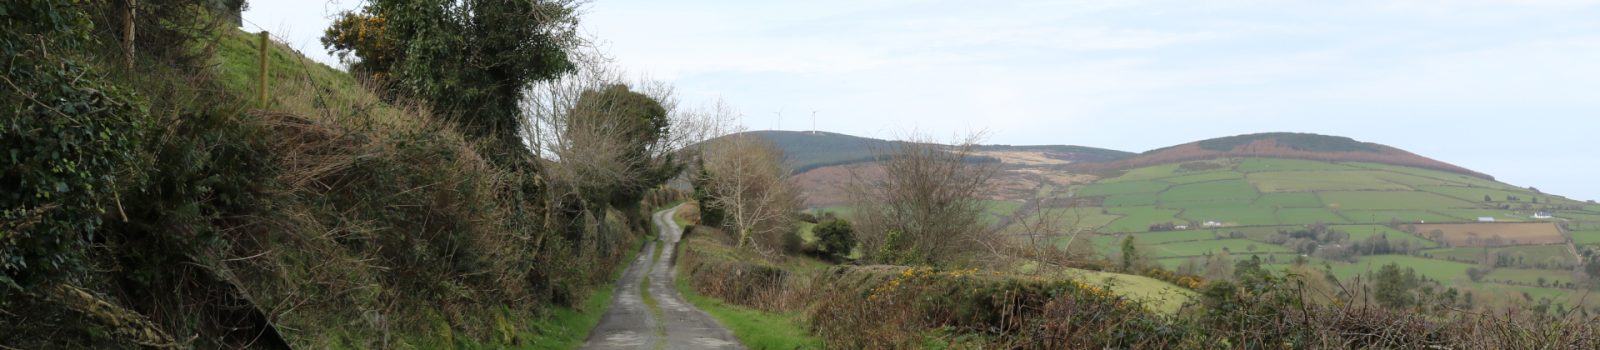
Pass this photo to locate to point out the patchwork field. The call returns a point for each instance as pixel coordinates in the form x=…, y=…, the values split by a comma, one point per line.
x=1305, y=181
x=1251, y=165
x=1374, y=200
x=1130, y=187
x=1585, y=237
x=1363, y=232
x=1386, y=216
x=1138, y=219
x=1233, y=216
x=1432, y=268
x=1130, y=200
x=1255, y=197
x=1530, y=277
x=1494, y=234
x=1197, y=248
x=1288, y=200
x=1204, y=177
x=1552, y=256
x=1307, y=216
x=1210, y=192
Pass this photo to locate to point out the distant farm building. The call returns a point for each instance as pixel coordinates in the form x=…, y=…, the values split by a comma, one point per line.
x=1211, y=224
x=1542, y=215
x=1485, y=219
x=1181, y=227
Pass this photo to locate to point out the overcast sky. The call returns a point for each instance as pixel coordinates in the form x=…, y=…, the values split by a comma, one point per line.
x=1506, y=87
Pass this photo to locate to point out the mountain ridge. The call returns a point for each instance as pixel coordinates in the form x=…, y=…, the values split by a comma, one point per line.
x=1304, y=146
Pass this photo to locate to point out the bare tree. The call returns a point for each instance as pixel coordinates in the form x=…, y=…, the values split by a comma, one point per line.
x=1048, y=234
x=924, y=207
x=583, y=143
x=575, y=149
x=750, y=182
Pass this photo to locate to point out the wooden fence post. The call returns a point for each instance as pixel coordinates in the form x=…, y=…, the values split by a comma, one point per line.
x=127, y=33
x=262, y=78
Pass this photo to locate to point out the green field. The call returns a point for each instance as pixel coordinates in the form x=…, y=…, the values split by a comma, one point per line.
x=1001, y=207
x=1288, y=200
x=1087, y=218
x=1361, y=232
x=1172, y=236
x=1083, y=217
x=1108, y=243
x=1527, y=254
x=1306, y=216
x=1131, y=187
x=1529, y=276
x=1350, y=200
x=1474, y=214
x=1322, y=181
x=1155, y=294
x=1585, y=237
x=1206, y=192
x=1453, y=178
x=1354, y=198
x=1217, y=203
x=1138, y=219
x=1251, y=165
x=1232, y=216
x=1145, y=173
x=1259, y=232
x=1433, y=268
x=1204, y=177
x=1233, y=246
x=1412, y=181
x=1476, y=194
x=1130, y=200
x=1590, y=217
x=1473, y=254
x=1384, y=216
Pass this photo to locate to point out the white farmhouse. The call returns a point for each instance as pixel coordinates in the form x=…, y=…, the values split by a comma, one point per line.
x=1542, y=215
x=1485, y=219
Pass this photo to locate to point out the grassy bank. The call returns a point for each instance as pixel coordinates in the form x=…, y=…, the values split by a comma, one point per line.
x=756, y=329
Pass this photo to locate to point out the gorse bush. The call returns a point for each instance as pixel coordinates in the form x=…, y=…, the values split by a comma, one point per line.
x=899, y=308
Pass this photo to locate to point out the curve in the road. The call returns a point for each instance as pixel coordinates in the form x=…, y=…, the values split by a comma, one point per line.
x=646, y=312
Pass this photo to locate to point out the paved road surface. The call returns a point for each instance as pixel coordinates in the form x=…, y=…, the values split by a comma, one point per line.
x=671, y=322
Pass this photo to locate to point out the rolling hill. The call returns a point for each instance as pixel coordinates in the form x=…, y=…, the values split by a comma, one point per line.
x=806, y=150
x=1282, y=145
x=1335, y=202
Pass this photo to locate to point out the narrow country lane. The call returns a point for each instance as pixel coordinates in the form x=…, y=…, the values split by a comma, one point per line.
x=646, y=311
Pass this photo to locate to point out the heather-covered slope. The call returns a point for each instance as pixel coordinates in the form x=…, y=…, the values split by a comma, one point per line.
x=1282, y=145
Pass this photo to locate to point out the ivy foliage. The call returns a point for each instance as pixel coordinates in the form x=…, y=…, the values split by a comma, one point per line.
x=67, y=136
x=470, y=57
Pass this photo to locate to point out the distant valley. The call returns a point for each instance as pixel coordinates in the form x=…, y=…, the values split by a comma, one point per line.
x=1274, y=196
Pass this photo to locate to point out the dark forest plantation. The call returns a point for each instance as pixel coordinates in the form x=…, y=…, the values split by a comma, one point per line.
x=477, y=175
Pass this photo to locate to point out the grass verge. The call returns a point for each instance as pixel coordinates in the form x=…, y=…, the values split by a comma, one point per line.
x=568, y=328
x=756, y=329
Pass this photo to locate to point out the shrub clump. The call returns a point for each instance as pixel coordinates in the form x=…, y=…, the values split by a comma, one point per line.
x=67, y=141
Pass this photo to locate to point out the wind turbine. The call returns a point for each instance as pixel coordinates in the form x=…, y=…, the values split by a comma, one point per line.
x=813, y=122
